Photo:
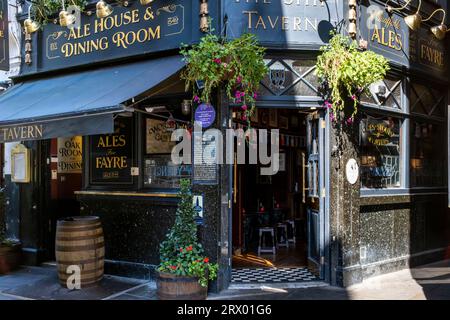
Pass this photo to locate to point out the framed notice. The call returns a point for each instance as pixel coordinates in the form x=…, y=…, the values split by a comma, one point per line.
x=20, y=164
x=158, y=137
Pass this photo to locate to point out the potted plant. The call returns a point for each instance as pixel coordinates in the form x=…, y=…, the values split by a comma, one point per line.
x=346, y=72
x=184, y=271
x=236, y=65
x=10, y=250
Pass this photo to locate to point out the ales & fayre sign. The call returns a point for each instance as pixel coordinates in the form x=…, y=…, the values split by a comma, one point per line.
x=389, y=36
x=111, y=155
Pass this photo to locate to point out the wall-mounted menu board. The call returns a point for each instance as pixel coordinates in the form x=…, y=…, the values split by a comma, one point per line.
x=111, y=154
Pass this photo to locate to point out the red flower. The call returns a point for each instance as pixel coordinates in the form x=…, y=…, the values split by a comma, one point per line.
x=206, y=260
x=173, y=267
x=189, y=248
x=181, y=249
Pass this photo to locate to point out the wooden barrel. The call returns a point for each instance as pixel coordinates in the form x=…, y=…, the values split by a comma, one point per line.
x=173, y=287
x=80, y=242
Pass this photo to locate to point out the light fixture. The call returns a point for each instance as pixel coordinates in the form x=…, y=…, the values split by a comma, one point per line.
x=146, y=2
x=413, y=21
x=186, y=107
x=29, y=24
x=103, y=9
x=66, y=19
x=156, y=109
x=440, y=30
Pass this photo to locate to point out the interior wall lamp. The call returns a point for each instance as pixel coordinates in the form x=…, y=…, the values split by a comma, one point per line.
x=414, y=20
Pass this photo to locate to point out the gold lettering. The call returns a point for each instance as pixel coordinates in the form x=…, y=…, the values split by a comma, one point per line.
x=297, y=24
x=284, y=23
x=375, y=35
x=249, y=13
x=273, y=23
x=260, y=22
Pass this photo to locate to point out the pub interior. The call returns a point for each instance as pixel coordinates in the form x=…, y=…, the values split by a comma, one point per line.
x=269, y=212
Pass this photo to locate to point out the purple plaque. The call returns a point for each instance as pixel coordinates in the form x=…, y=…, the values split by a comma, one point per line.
x=205, y=114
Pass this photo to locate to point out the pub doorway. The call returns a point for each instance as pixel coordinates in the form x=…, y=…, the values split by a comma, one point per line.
x=63, y=179
x=277, y=221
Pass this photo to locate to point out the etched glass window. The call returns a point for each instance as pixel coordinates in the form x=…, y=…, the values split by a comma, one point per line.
x=380, y=152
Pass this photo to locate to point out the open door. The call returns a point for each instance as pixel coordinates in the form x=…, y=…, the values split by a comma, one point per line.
x=315, y=193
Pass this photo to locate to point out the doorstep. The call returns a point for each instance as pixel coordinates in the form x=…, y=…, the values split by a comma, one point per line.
x=281, y=285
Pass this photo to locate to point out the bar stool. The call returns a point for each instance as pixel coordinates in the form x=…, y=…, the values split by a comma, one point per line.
x=291, y=223
x=283, y=239
x=263, y=232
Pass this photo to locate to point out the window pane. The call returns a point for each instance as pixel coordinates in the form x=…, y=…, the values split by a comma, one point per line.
x=159, y=172
x=428, y=154
x=380, y=152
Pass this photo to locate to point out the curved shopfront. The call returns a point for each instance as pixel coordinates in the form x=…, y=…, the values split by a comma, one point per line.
x=96, y=108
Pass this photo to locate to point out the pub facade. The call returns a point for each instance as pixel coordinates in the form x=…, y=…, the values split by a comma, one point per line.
x=95, y=107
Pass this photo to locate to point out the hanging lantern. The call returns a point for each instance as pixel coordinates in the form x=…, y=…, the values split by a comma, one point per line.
x=186, y=107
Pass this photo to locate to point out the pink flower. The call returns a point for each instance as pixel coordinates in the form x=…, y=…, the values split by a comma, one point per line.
x=242, y=93
x=244, y=107
x=225, y=65
x=328, y=104
x=196, y=99
x=173, y=267
x=353, y=97
x=217, y=60
x=239, y=79
x=237, y=94
x=244, y=117
x=332, y=118
x=255, y=95
x=349, y=120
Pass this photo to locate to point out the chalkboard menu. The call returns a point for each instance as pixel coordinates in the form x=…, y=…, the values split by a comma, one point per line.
x=111, y=155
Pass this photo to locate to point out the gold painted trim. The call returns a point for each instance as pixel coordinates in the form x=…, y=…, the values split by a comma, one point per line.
x=20, y=149
x=127, y=194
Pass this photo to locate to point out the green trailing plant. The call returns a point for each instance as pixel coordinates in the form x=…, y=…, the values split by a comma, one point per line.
x=346, y=72
x=236, y=65
x=180, y=253
x=45, y=11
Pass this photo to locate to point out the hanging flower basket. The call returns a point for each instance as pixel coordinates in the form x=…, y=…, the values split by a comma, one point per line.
x=346, y=73
x=237, y=65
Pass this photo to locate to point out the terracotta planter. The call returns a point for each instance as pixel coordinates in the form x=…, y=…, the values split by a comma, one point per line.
x=10, y=257
x=173, y=287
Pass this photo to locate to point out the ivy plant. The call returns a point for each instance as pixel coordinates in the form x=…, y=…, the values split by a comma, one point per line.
x=346, y=72
x=236, y=65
